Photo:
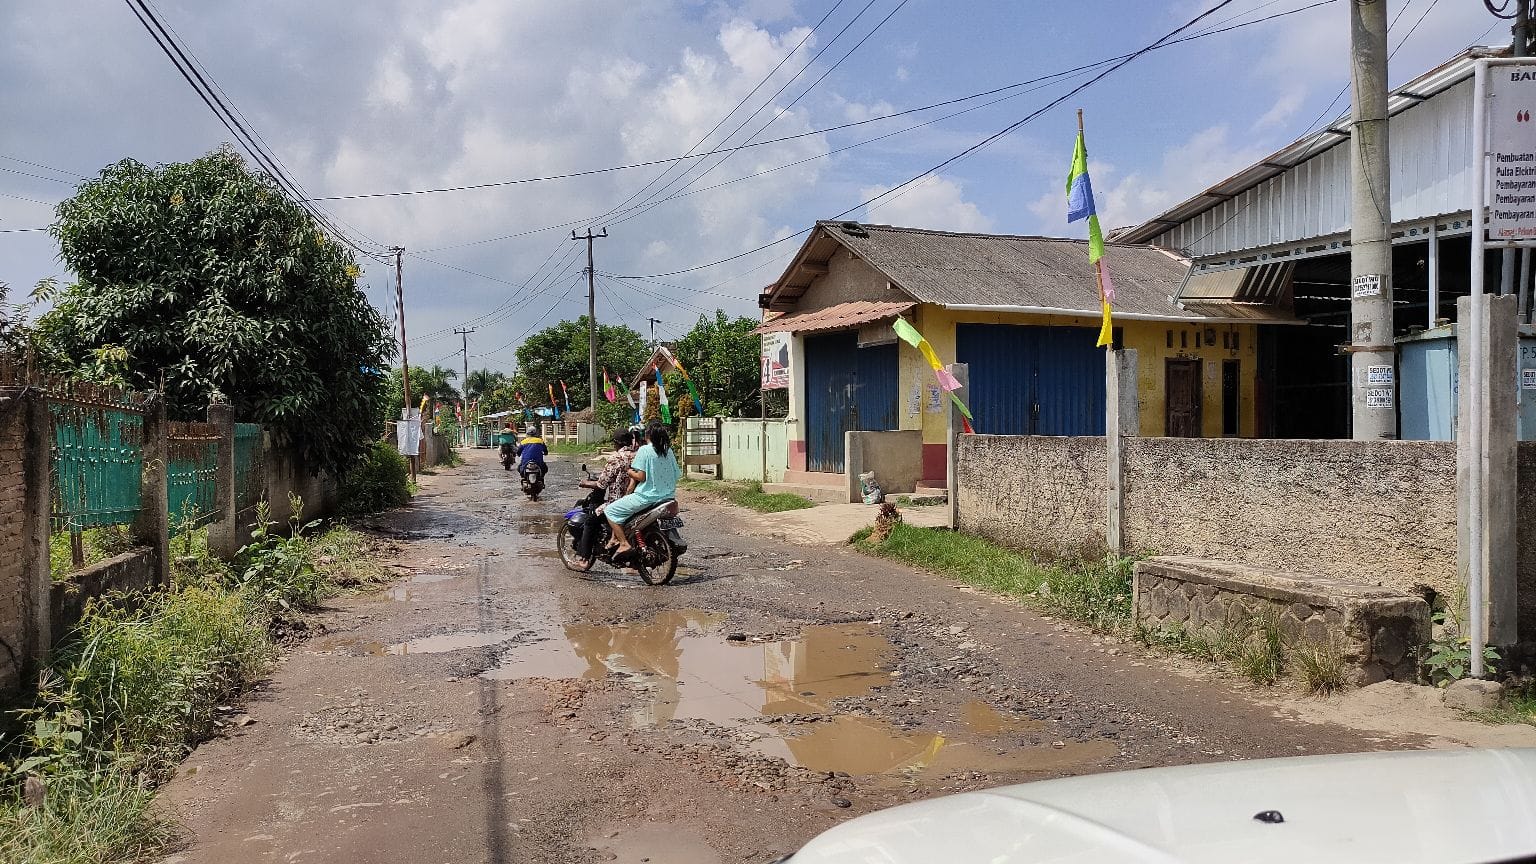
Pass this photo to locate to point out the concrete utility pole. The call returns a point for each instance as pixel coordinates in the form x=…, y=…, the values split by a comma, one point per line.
x=1373, y=356
x=464, y=394
x=591, y=313
x=405, y=363
x=1521, y=30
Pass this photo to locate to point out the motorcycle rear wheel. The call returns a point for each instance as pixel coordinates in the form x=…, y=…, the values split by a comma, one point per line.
x=565, y=544
x=656, y=544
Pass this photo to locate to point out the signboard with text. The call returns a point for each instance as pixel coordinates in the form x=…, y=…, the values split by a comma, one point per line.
x=775, y=361
x=1512, y=153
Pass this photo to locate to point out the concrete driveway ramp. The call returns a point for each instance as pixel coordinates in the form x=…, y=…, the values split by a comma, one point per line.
x=1377, y=630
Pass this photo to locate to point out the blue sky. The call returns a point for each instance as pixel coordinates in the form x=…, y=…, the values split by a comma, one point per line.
x=408, y=94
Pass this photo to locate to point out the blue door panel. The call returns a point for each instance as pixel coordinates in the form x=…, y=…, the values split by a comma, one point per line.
x=1027, y=380
x=847, y=388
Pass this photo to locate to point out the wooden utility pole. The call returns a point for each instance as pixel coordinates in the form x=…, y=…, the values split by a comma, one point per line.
x=405, y=363
x=591, y=314
x=464, y=392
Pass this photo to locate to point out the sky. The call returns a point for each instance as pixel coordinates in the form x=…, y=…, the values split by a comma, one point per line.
x=360, y=98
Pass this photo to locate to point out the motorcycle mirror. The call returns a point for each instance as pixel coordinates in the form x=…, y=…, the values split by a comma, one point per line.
x=583, y=467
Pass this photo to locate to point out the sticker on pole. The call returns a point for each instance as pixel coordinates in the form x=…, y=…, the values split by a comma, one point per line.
x=1366, y=285
x=1377, y=375
x=1378, y=398
x=1512, y=152
x=1528, y=379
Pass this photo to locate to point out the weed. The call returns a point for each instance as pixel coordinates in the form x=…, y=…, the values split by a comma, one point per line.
x=278, y=571
x=885, y=521
x=1449, y=658
x=379, y=481
x=345, y=558
x=1097, y=593
x=1261, y=657
x=1321, y=665
x=98, y=544
x=86, y=820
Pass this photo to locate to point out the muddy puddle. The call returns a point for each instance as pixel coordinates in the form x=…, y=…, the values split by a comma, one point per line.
x=685, y=669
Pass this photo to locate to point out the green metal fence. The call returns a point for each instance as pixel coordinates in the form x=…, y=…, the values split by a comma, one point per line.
x=98, y=459
x=250, y=478
x=193, y=474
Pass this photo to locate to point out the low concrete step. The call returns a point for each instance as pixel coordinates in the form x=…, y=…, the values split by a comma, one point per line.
x=819, y=494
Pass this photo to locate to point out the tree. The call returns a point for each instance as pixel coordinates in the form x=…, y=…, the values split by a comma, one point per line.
x=559, y=353
x=483, y=382
x=430, y=383
x=204, y=273
x=721, y=355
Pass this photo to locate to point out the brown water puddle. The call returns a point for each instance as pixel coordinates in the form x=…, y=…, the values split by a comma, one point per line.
x=687, y=671
x=446, y=642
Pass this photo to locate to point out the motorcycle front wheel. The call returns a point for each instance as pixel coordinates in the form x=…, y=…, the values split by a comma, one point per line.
x=655, y=569
x=565, y=544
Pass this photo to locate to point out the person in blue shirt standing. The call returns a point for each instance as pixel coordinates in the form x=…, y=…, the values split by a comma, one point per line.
x=654, y=470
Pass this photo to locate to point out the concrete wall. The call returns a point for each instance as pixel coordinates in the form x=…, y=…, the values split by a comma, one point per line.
x=285, y=473
x=741, y=449
x=1373, y=512
x=130, y=572
x=848, y=278
x=1039, y=494
x=1380, y=512
x=895, y=457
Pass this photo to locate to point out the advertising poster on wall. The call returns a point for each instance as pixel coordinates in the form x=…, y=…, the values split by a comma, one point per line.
x=775, y=361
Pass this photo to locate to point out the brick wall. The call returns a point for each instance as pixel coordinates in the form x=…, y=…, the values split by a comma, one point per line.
x=13, y=576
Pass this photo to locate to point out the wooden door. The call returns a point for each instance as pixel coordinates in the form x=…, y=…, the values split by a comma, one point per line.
x=1182, y=388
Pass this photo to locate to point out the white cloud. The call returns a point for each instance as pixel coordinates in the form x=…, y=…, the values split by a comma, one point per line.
x=934, y=202
x=1282, y=111
x=1125, y=199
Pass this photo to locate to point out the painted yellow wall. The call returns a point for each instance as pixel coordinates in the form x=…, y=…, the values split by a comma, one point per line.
x=1149, y=338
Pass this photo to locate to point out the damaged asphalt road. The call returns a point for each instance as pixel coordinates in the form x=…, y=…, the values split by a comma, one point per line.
x=492, y=706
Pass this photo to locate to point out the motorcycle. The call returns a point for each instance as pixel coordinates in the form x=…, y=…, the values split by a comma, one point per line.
x=532, y=476
x=508, y=456
x=657, y=542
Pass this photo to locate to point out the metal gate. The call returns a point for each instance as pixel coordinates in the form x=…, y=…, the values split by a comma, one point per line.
x=848, y=388
x=1027, y=380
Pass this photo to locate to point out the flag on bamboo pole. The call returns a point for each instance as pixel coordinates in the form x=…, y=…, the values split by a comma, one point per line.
x=1080, y=206
x=661, y=398
x=555, y=406
x=640, y=411
x=692, y=390
x=608, y=386
x=567, y=394
x=947, y=382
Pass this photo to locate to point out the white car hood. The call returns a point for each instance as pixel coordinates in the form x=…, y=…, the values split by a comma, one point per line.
x=1430, y=806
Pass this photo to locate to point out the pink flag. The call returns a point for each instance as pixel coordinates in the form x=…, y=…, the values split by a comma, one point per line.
x=947, y=382
x=1109, y=284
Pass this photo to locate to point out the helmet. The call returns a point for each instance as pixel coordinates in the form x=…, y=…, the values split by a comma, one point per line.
x=532, y=429
x=636, y=429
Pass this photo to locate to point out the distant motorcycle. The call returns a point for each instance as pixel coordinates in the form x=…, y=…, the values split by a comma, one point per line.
x=654, y=531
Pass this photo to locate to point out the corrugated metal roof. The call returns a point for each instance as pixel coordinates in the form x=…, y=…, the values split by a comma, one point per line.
x=1301, y=192
x=839, y=317
x=1002, y=270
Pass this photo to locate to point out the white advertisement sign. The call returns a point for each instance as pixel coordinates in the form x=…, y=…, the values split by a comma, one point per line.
x=408, y=433
x=1375, y=375
x=775, y=361
x=1512, y=153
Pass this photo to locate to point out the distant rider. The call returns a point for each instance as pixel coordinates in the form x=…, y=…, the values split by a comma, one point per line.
x=531, y=451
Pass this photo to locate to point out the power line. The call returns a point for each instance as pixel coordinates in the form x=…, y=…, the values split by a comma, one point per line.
x=967, y=151
x=210, y=95
x=22, y=173
x=21, y=230
x=68, y=174
x=780, y=113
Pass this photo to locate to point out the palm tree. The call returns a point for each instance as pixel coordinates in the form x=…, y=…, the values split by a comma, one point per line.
x=482, y=382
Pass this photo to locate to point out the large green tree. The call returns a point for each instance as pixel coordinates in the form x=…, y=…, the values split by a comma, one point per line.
x=483, y=382
x=559, y=353
x=204, y=273
x=721, y=354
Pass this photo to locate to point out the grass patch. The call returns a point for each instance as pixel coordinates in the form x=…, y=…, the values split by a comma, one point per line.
x=750, y=495
x=1097, y=593
x=98, y=544
x=1258, y=650
x=140, y=682
x=909, y=501
x=379, y=481
x=1320, y=666
x=571, y=448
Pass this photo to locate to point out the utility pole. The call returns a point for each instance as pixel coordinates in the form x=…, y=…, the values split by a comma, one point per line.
x=405, y=363
x=1521, y=30
x=464, y=394
x=591, y=314
x=653, y=322
x=1373, y=356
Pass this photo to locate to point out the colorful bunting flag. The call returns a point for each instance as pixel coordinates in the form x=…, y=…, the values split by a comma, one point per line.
x=947, y=382
x=698, y=406
x=640, y=411
x=608, y=386
x=552, y=403
x=1080, y=206
x=567, y=394
x=661, y=398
